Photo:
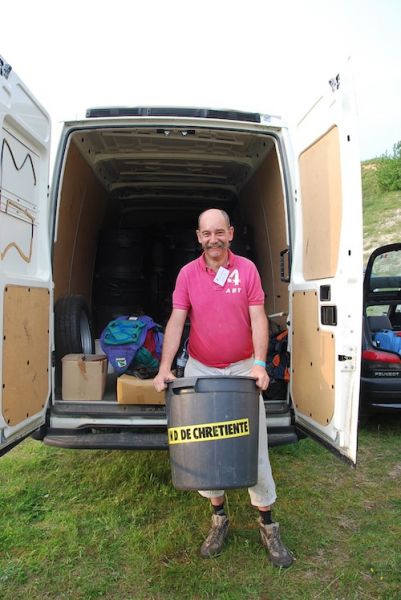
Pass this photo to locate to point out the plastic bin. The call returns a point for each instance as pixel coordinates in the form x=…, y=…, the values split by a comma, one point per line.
x=213, y=432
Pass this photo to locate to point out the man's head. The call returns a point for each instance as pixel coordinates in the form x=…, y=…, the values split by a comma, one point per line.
x=214, y=210
x=215, y=233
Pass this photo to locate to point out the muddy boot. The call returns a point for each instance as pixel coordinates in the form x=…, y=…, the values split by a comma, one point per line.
x=277, y=552
x=218, y=532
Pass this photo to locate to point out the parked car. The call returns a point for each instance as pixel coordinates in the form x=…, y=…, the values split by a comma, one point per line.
x=381, y=336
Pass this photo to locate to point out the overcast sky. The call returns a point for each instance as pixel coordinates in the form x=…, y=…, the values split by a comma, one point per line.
x=268, y=56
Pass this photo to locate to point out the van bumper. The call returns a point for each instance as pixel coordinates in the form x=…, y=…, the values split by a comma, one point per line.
x=139, y=439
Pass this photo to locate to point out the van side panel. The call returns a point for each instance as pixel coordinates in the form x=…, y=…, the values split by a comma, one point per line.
x=83, y=203
x=25, y=364
x=262, y=202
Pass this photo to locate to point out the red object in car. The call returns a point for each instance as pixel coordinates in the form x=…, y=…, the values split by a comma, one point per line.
x=379, y=356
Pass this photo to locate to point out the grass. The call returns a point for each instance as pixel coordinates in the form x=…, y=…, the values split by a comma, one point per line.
x=381, y=212
x=92, y=524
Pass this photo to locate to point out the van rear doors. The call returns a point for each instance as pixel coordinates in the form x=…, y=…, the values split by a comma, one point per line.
x=326, y=285
x=25, y=270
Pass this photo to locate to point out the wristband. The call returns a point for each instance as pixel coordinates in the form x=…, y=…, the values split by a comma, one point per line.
x=261, y=363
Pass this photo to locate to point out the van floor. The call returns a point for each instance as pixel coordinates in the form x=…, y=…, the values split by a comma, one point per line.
x=273, y=406
x=110, y=393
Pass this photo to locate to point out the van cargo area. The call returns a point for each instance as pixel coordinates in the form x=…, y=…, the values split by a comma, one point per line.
x=128, y=208
x=128, y=204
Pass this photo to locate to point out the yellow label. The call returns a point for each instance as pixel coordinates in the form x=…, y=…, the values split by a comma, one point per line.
x=207, y=432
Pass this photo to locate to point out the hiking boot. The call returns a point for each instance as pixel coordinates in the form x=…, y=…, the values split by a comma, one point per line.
x=277, y=552
x=218, y=532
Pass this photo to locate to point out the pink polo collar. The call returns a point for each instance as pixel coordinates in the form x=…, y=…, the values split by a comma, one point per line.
x=230, y=263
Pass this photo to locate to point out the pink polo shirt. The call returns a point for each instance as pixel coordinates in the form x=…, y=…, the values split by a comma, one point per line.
x=220, y=323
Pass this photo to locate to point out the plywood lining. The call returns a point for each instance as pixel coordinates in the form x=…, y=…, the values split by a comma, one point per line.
x=26, y=379
x=262, y=203
x=321, y=206
x=312, y=360
x=82, y=209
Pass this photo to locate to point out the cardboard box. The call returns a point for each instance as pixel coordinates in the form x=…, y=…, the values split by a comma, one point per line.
x=84, y=376
x=132, y=390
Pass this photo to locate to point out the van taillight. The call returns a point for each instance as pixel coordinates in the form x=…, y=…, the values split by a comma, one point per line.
x=378, y=356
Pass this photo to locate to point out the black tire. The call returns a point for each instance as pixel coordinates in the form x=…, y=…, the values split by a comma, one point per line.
x=72, y=327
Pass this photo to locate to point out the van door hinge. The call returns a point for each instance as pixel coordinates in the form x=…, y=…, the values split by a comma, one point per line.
x=335, y=83
x=5, y=68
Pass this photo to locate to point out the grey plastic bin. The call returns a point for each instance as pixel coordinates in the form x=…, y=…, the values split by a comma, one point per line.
x=213, y=432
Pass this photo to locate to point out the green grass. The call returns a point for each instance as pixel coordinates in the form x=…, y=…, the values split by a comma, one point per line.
x=381, y=212
x=92, y=524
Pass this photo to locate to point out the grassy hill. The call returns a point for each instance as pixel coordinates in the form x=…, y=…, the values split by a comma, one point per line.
x=381, y=212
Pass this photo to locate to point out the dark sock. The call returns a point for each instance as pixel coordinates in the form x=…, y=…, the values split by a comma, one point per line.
x=266, y=516
x=219, y=510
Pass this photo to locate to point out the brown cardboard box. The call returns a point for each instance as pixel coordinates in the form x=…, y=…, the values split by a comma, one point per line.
x=84, y=376
x=132, y=390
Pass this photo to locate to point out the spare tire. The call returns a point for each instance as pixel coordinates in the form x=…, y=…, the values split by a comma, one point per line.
x=72, y=327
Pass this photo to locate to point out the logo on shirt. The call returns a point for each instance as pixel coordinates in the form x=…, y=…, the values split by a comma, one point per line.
x=234, y=279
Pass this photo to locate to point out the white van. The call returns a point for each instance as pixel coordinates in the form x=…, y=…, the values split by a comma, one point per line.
x=119, y=221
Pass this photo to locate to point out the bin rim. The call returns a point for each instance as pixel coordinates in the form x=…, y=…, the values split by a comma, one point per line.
x=188, y=381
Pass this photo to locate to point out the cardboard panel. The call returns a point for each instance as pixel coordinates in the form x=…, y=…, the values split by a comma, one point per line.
x=81, y=213
x=262, y=203
x=312, y=360
x=131, y=390
x=26, y=383
x=321, y=206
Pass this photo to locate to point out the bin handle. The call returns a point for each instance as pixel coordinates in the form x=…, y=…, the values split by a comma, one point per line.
x=192, y=384
x=184, y=389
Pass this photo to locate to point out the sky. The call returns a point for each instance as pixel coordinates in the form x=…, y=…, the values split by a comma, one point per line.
x=269, y=56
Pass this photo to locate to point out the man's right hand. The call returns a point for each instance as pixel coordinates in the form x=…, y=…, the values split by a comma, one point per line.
x=161, y=379
x=171, y=343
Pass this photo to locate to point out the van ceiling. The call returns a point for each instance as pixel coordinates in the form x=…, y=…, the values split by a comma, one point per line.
x=172, y=167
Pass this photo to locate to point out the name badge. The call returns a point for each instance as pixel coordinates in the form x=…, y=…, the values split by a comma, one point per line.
x=221, y=276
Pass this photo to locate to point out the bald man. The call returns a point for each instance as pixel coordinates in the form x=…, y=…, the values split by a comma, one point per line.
x=222, y=295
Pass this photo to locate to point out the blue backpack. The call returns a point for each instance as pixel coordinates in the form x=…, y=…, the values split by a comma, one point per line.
x=122, y=340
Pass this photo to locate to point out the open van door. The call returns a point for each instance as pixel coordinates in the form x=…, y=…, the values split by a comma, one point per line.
x=326, y=282
x=25, y=268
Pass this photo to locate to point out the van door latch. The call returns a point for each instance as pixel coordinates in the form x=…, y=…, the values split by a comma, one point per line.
x=285, y=276
x=348, y=361
x=328, y=315
x=5, y=68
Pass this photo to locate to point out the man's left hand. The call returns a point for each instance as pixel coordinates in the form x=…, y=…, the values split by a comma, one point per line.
x=261, y=376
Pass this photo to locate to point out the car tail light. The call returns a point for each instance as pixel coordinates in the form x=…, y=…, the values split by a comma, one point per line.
x=379, y=356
